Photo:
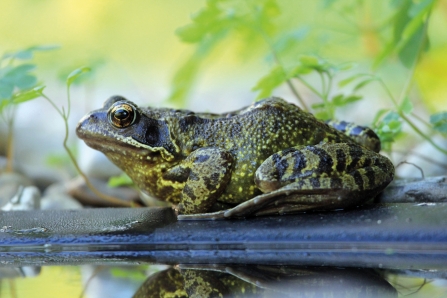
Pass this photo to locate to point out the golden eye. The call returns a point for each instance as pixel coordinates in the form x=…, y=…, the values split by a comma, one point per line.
x=122, y=115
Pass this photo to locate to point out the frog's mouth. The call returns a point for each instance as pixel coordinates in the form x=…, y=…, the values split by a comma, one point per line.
x=111, y=143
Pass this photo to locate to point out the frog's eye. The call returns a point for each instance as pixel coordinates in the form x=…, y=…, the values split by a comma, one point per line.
x=122, y=115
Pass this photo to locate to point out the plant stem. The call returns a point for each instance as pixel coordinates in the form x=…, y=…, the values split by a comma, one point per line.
x=297, y=95
x=406, y=90
x=101, y=195
x=310, y=87
x=409, y=122
x=278, y=61
x=423, y=135
x=407, y=85
x=10, y=146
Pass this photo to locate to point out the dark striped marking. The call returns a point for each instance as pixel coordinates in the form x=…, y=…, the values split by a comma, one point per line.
x=336, y=183
x=325, y=164
x=202, y=158
x=299, y=161
x=356, y=154
x=370, y=174
x=357, y=130
x=315, y=182
x=193, y=176
x=208, y=182
x=341, y=160
x=358, y=179
x=280, y=163
x=189, y=192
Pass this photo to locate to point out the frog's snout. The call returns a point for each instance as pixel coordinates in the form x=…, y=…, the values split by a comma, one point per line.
x=86, y=125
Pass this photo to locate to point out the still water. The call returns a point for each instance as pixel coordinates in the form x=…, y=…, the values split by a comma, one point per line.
x=384, y=250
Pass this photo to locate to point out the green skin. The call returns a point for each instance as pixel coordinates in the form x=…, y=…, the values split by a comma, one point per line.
x=205, y=162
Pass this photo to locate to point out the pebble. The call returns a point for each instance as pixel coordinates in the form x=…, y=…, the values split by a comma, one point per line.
x=79, y=190
x=26, y=198
x=10, y=184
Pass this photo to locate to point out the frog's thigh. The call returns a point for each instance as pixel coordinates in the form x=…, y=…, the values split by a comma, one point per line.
x=209, y=172
x=337, y=161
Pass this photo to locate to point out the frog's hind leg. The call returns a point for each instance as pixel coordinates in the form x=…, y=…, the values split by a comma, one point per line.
x=363, y=135
x=321, y=177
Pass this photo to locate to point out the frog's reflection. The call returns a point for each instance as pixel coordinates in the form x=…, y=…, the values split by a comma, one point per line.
x=264, y=281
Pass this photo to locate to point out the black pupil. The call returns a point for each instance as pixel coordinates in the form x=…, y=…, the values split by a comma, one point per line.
x=121, y=114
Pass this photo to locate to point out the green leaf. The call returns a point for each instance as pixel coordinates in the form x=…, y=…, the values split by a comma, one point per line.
x=315, y=63
x=269, y=82
x=323, y=115
x=28, y=95
x=389, y=128
x=310, y=61
x=401, y=20
x=409, y=52
x=437, y=117
x=439, y=121
x=15, y=74
x=442, y=128
x=348, y=80
x=338, y=100
x=319, y=105
x=420, y=8
x=406, y=106
x=22, y=55
x=27, y=54
x=385, y=53
x=342, y=100
x=4, y=103
x=408, y=32
x=26, y=82
x=328, y=3
x=190, y=33
x=42, y=48
x=6, y=89
x=290, y=41
x=379, y=115
x=363, y=84
x=77, y=73
x=352, y=98
x=345, y=66
x=208, y=20
x=299, y=70
x=121, y=180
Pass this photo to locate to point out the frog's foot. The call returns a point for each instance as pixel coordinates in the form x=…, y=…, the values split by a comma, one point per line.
x=205, y=173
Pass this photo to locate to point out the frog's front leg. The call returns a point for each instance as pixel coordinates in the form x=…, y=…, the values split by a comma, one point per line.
x=322, y=177
x=205, y=173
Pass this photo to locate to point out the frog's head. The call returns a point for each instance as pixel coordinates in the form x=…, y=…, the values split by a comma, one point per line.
x=125, y=134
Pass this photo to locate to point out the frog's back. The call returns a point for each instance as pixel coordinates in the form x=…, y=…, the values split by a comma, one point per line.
x=251, y=135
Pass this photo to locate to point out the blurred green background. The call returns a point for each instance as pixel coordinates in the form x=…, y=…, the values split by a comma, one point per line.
x=134, y=50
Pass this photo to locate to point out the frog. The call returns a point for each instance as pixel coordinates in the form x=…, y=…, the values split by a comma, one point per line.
x=268, y=158
x=261, y=280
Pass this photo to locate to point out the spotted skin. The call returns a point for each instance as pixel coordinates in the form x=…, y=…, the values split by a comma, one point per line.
x=202, y=162
x=205, y=173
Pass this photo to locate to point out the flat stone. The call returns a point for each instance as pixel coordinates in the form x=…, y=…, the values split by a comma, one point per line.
x=393, y=236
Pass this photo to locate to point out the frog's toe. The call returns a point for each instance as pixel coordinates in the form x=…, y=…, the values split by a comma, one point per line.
x=203, y=216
